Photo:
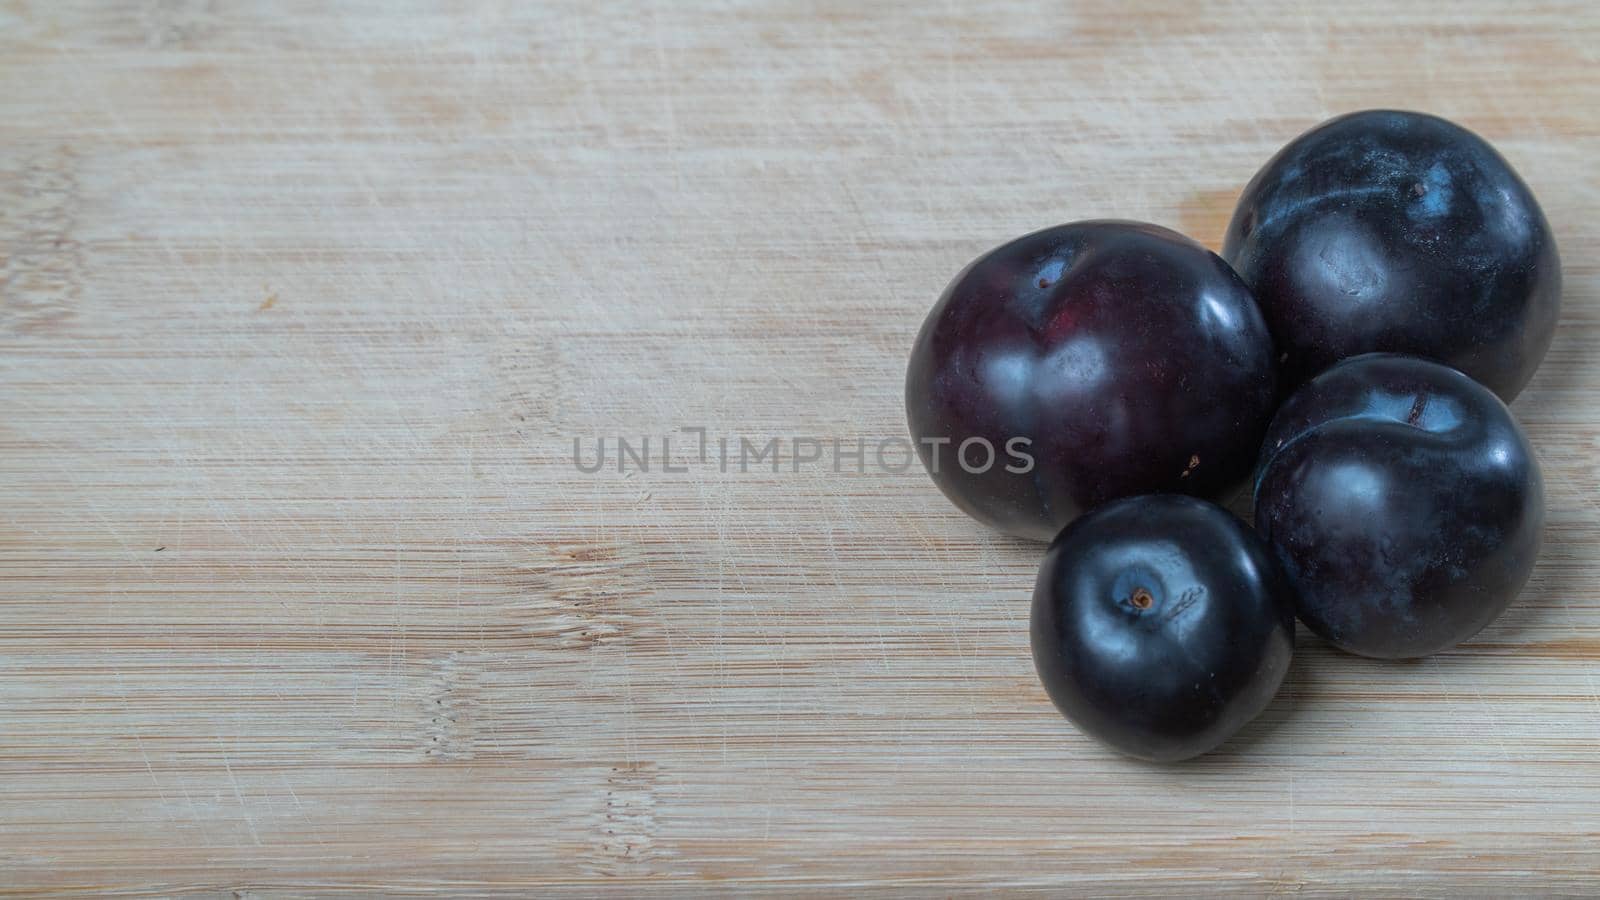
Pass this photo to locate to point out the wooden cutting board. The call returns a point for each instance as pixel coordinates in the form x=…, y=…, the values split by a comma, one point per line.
x=301, y=312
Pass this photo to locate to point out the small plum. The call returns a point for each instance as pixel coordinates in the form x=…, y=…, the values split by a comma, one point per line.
x=1161, y=625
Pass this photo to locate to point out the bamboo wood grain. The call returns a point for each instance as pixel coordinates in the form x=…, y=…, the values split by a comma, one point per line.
x=302, y=306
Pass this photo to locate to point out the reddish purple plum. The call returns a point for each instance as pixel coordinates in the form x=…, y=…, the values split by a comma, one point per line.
x=1084, y=363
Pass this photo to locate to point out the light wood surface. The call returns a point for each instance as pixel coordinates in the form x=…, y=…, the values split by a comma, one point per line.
x=302, y=306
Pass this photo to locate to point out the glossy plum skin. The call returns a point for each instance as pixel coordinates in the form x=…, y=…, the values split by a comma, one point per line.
x=1399, y=232
x=1130, y=357
x=1161, y=625
x=1403, y=500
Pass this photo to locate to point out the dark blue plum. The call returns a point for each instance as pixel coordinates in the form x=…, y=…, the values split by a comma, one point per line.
x=1126, y=359
x=1401, y=232
x=1404, y=502
x=1161, y=625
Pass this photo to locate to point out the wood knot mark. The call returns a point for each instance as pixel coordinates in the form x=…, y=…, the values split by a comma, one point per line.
x=177, y=24
x=41, y=262
x=579, y=596
x=623, y=837
x=450, y=705
x=528, y=383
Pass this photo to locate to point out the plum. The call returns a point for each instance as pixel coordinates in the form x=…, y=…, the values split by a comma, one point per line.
x=1400, y=232
x=1087, y=362
x=1404, y=502
x=1161, y=625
